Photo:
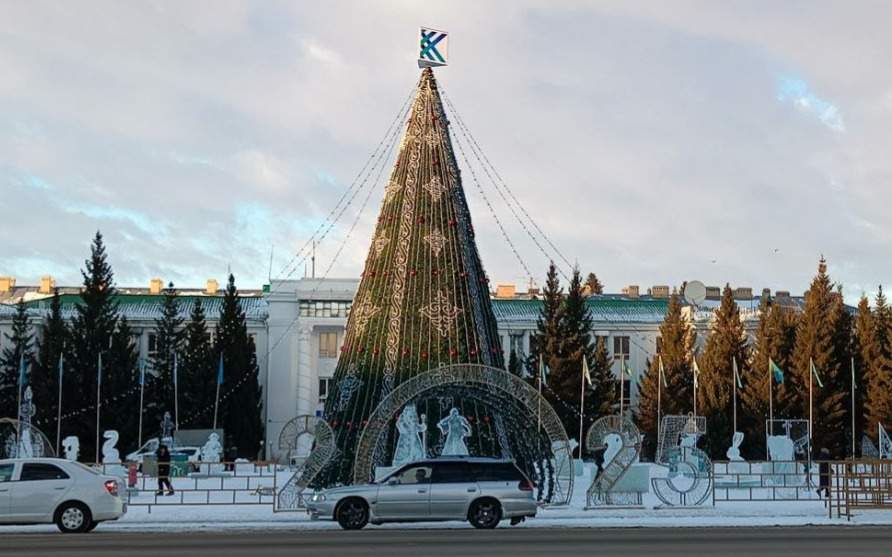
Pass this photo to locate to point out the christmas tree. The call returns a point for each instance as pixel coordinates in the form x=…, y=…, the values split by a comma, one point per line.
x=593, y=285
x=422, y=303
x=196, y=368
x=20, y=344
x=159, y=397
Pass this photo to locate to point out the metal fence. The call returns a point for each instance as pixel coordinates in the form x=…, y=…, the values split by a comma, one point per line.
x=860, y=484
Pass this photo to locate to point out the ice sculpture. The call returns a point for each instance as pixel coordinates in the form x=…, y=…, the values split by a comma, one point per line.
x=212, y=449
x=110, y=454
x=72, y=447
x=410, y=445
x=733, y=453
x=456, y=428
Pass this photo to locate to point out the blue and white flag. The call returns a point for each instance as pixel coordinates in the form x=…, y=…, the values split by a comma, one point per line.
x=662, y=373
x=23, y=371
x=433, y=48
x=220, y=370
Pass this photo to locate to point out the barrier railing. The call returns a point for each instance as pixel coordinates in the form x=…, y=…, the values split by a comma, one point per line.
x=860, y=484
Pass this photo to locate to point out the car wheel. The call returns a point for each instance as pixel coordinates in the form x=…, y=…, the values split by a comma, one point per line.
x=73, y=518
x=352, y=514
x=485, y=513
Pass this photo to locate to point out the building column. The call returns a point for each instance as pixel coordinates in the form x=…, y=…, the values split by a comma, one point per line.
x=305, y=403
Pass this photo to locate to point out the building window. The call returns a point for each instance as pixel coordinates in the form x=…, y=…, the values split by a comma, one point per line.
x=153, y=344
x=324, y=385
x=620, y=347
x=324, y=308
x=328, y=345
x=659, y=345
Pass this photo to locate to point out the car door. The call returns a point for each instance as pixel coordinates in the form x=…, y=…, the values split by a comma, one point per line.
x=452, y=490
x=405, y=495
x=39, y=490
x=6, y=471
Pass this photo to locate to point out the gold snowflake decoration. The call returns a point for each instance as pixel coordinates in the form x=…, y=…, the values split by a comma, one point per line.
x=441, y=312
x=435, y=188
x=432, y=138
x=436, y=241
x=363, y=314
x=393, y=187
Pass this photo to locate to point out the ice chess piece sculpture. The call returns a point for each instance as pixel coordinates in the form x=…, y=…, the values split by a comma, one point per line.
x=412, y=433
x=72, y=447
x=456, y=428
x=212, y=449
x=110, y=454
x=734, y=450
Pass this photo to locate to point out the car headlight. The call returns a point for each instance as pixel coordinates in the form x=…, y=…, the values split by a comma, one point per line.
x=318, y=497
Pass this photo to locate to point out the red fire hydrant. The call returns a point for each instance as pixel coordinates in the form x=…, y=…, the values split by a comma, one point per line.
x=131, y=475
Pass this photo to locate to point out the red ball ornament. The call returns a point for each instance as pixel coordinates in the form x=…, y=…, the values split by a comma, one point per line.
x=406, y=352
x=413, y=272
x=424, y=355
x=451, y=222
x=375, y=351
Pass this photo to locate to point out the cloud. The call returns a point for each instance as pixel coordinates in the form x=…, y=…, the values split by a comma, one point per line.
x=795, y=91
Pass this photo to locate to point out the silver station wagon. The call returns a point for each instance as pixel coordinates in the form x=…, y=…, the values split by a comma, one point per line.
x=483, y=491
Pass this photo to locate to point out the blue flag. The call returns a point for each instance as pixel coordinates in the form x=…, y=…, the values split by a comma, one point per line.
x=220, y=371
x=777, y=372
x=22, y=371
x=142, y=372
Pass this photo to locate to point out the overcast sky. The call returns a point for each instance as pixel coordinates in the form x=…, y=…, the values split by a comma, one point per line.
x=653, y=142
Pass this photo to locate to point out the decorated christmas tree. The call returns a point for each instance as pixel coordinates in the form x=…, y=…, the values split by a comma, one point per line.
x=422, y=303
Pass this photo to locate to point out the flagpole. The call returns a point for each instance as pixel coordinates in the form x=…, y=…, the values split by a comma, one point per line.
x=539, y=411
x=142, y=390
x=810, y=380
x=582, y=401
x=98, y=402
x=622, y=384
x=176, y=404
x=18, y=408
x=217, y=396
x=59, y=410
x=694, y=372
x=659, y=390
x=853, y=408
x=734, y=381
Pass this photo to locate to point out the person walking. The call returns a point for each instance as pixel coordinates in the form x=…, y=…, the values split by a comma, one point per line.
x=163, y=456
x=824, y=474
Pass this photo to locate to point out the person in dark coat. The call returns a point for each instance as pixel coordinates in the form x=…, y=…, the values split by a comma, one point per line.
x=824, y=473
x=163, y=456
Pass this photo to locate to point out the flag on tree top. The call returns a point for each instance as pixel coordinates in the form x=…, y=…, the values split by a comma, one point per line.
x=433, y=48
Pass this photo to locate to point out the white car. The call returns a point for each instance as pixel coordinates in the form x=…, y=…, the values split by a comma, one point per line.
x=53, y=490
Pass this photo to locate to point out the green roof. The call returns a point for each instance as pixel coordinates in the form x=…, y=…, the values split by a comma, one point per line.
x=603, y=309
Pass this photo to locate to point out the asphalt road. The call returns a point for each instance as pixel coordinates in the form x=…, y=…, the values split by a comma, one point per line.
x=513, y=542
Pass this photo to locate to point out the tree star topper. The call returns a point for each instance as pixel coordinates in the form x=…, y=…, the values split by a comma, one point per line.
x=433, y=49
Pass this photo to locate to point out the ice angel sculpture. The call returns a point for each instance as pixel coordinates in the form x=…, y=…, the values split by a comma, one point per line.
x=410, y=444
x=456, y=428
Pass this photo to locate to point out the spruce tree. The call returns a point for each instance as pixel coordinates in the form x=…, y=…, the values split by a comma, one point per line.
x=676, y=347
x=168, y=344
x=241, y=412
x=546, y=341
x=819, y=340
x=593, y=285
x=862, y=344
x=92, y=329
x=878, y=381
x=120, y=387
x=725, y=344
x=53, y=336
x=774, y=339
x=604, y=393
x=20, y=345
x=197, y=378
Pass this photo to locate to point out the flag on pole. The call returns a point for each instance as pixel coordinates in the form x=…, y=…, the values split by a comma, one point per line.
x=220, y=371
x=543, y=370
x=585, y=371
x=736, y=373
x=814, y=371
x=174, y=369
x=99, y=370
x=142, y=372
x=625, y=368
x=696, y=372
x=776, y=371
x=61, y=368
x=662, y=373
x=854, y=385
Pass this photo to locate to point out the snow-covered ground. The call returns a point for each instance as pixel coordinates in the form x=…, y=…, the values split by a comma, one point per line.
x=166, y=517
